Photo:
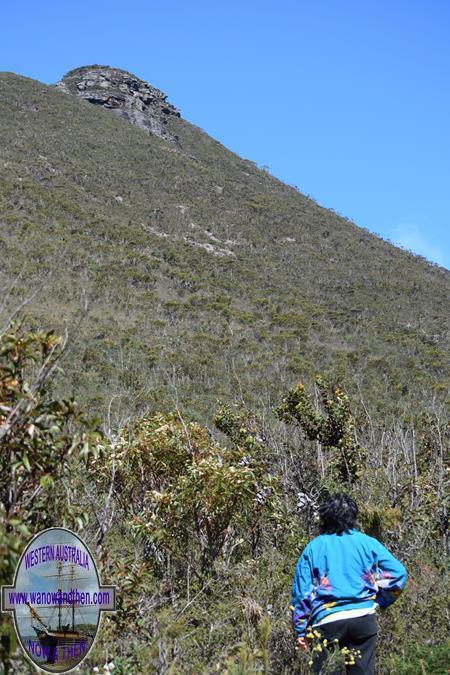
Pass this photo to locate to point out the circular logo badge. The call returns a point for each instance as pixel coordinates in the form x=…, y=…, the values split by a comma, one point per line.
x=56, y=600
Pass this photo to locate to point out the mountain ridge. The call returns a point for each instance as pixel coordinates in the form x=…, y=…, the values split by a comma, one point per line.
x=214, y=276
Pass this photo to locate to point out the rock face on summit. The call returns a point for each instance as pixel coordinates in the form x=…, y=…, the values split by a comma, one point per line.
x=126, y=95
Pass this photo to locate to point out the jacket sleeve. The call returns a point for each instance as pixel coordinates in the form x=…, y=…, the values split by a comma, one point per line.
x=302, y=595
x=390, y=576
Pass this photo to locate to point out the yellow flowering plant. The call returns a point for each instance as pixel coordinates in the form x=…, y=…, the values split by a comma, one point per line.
x=335, y=655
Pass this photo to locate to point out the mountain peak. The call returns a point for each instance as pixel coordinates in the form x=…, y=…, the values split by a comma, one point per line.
x=125, y=94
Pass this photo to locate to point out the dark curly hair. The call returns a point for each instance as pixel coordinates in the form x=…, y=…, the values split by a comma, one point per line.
x=338, y=514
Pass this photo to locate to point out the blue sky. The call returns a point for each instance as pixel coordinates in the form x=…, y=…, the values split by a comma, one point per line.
x=347, y=99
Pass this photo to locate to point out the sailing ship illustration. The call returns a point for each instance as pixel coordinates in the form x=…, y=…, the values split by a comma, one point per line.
x=71, y=637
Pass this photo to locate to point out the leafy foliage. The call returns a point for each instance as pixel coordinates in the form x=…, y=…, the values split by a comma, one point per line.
x=43, y=443
x=333, y=428
x=201, y=536
x=191, y=499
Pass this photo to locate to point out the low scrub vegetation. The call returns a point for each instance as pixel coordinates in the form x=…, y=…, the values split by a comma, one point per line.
x=200, y=528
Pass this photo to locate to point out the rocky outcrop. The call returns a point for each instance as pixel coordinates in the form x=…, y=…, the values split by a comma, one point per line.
x=125, y=94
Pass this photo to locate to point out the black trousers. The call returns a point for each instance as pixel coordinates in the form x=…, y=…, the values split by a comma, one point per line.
x=359, y=634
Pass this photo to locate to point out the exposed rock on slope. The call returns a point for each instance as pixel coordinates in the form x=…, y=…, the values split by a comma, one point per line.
x=133, y=99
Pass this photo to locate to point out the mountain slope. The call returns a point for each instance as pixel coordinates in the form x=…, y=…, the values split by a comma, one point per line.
x=206, y=276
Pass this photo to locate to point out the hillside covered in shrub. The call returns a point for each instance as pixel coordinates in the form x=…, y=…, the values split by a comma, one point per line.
x=192, y=356
x=205, y=277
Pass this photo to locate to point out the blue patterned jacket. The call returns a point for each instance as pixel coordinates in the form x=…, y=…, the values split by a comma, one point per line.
x=345, y=571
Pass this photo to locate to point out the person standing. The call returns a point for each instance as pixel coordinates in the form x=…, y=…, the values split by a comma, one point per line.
x=341, y=578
